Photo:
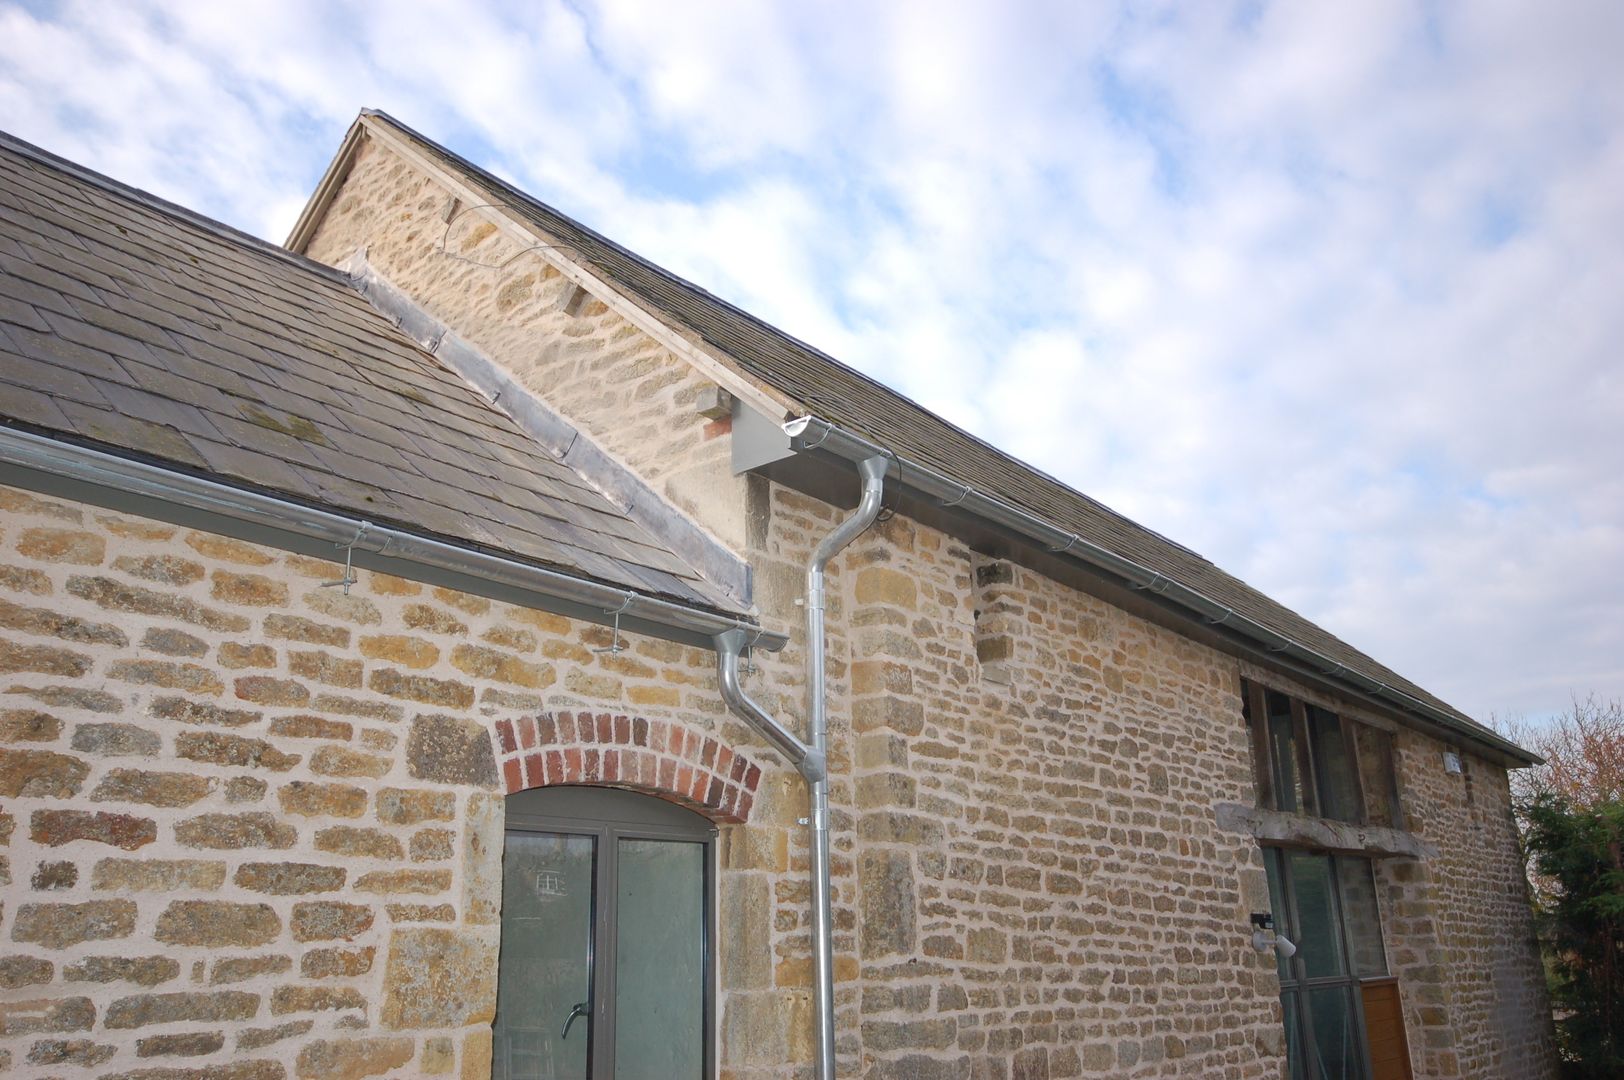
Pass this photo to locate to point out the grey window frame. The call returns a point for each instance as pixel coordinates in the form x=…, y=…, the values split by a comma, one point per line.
x=610, y=815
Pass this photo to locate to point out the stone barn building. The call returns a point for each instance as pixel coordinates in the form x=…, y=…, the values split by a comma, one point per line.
x=454, y=646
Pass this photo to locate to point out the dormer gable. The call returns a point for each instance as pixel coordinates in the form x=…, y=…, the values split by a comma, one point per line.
x=648, y=413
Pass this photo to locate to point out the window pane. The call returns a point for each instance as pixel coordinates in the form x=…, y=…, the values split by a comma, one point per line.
x=1320, y=947
x=1288, y=791
x=1376, y=773
x=545, y=969
x=1258, y=735
x=1277, y=904
x=660, y=960
x=1290, y=1002
x=1338, y=792
x=1336, y=1038
x=1358, y=886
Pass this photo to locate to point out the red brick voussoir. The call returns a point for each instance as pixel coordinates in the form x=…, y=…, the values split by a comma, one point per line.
x=660, y=757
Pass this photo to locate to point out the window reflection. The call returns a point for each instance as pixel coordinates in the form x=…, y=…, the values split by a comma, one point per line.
x=1357, y=881
x=1326, y=905
x=1308, y=760
x=1338, y=787
x=1288, y=781
x=1319, y=942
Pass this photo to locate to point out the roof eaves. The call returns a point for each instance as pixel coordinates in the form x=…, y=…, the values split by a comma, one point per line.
x=811, y=434
x=102, y=476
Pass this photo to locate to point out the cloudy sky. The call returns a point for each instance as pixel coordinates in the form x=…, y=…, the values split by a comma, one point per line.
x=1332, y=293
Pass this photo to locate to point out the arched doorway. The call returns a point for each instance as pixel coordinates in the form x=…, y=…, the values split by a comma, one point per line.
x=606, y=961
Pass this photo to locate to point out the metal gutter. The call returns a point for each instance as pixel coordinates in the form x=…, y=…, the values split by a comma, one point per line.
x=809, y=433
x=80, y=472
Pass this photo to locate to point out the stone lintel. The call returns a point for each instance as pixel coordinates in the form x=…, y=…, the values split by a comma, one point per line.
x=1276, y=827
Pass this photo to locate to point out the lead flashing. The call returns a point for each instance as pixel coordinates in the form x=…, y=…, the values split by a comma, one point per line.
x=617, y=483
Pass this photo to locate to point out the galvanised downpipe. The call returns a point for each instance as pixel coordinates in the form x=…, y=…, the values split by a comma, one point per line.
x=872, y=471
x=810, y=759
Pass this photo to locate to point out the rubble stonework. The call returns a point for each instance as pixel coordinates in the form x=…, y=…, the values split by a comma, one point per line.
x=1029, y=873
x=283, y=858
x=251, y=824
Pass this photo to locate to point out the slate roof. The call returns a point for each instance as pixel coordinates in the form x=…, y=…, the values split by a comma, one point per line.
x=135, y=326
x=830, y=390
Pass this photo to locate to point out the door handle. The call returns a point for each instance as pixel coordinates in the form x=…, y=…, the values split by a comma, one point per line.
x=579, y=1010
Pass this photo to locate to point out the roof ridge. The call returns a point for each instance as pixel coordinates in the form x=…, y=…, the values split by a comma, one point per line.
x=187, y=216
x=762, y=354
x=491, y=179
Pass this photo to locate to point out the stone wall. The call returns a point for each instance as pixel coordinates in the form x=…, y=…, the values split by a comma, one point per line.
x=250, y=825
x=1041, y=887
x=1457, y=924
x=1029, y=879
x=1476, y=1002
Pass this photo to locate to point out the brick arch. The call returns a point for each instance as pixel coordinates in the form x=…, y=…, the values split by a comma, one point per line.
x=658, y=757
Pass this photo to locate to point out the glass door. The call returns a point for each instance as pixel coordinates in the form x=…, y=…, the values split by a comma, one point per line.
x=544, y=981
x=660, y=959
x=606, y=957
x=1326, y=906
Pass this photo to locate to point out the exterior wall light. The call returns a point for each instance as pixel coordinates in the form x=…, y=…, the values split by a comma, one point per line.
x=1265, y=938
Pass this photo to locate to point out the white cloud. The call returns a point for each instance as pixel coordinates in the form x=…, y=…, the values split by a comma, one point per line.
x=1327, y=293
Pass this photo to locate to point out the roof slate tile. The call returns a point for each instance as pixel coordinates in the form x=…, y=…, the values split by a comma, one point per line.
x=130, y=432
x=144, y=329
x=29, y=406
x=22, y=314
x=59, y=352
x=824, y=387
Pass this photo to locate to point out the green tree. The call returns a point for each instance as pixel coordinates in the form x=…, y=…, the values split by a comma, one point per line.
x=1571, y=812
x=1577, y=852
